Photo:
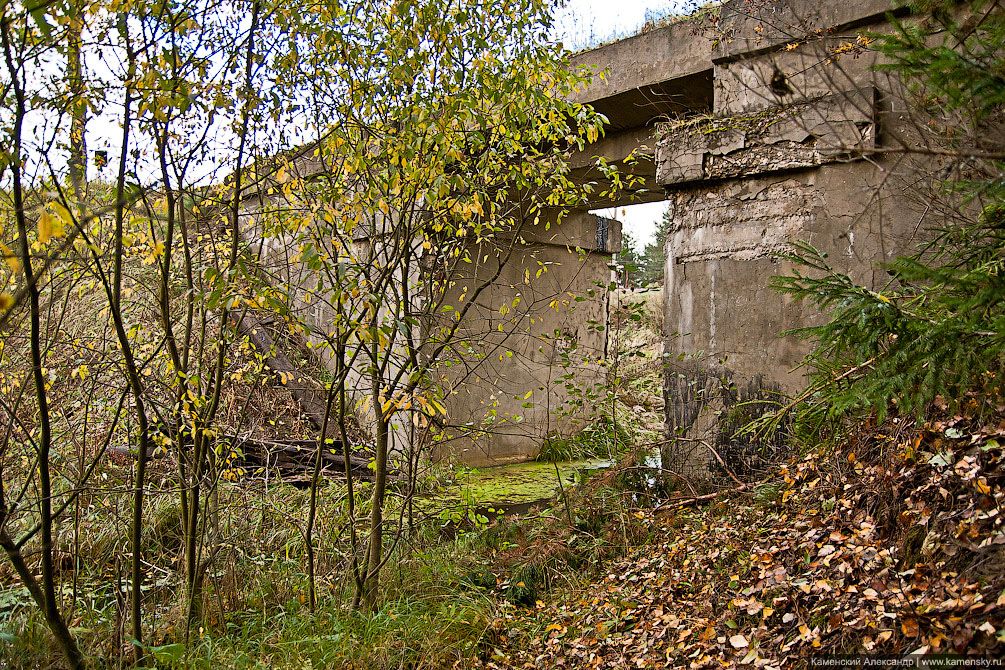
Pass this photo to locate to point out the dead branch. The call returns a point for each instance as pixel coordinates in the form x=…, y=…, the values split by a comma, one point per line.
x=304, y=391
x=294, y=455
x=684, y=502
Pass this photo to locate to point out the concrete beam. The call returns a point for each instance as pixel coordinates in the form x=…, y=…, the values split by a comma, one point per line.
x=836, y=127
x=752, y=29
x=661, y=55
x=616, y=146
x=639, y=107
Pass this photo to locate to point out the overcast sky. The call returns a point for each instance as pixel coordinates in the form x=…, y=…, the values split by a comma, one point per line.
x=586, y=23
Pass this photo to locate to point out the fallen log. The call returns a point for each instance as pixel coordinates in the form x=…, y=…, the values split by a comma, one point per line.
x=693, y=500
x=295, y=455
x=301, y=452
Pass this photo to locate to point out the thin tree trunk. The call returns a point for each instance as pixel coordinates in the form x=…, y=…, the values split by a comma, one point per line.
x=375, y=546
x=78, y=104
x=200, y=440
x=191, y=538
x=114, y=294
x=58, y=627
x=120, y=181
x=48, y=593
x=312, y=511
x=351, y=495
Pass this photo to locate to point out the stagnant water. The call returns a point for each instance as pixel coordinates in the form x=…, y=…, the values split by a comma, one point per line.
x=511, y=489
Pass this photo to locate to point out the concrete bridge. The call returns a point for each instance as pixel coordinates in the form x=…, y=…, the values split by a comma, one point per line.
x=763, y=125
x=761, y=128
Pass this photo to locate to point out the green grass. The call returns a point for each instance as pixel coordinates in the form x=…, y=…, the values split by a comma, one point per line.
x=255, y=611
x=442, y=596
x=444, y=589
x=602, y=438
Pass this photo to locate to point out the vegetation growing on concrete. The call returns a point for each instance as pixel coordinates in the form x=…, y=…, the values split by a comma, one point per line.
x=700, y=16
x=756, y=124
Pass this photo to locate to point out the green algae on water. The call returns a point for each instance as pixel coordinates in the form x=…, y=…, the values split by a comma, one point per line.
x=511, y=485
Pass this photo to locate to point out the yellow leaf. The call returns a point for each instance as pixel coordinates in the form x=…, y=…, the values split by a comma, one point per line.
x=6, y=302
x=528, y=394
x=58, y=222
x=155, y=252
x=45, y=225
x=62, y=212
x=12, y=260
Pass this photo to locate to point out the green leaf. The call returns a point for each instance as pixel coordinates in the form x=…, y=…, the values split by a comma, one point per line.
x=942, y=459
x=37, y=10
x=168, y=653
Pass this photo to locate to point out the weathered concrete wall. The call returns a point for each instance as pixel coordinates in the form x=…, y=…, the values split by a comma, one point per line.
x=788, y=153
x=528, y=351
x=531, y=349
x=725, y=247
x=802, y=134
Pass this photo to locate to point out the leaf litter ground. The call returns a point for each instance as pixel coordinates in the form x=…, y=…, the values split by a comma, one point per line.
x=892, y=543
